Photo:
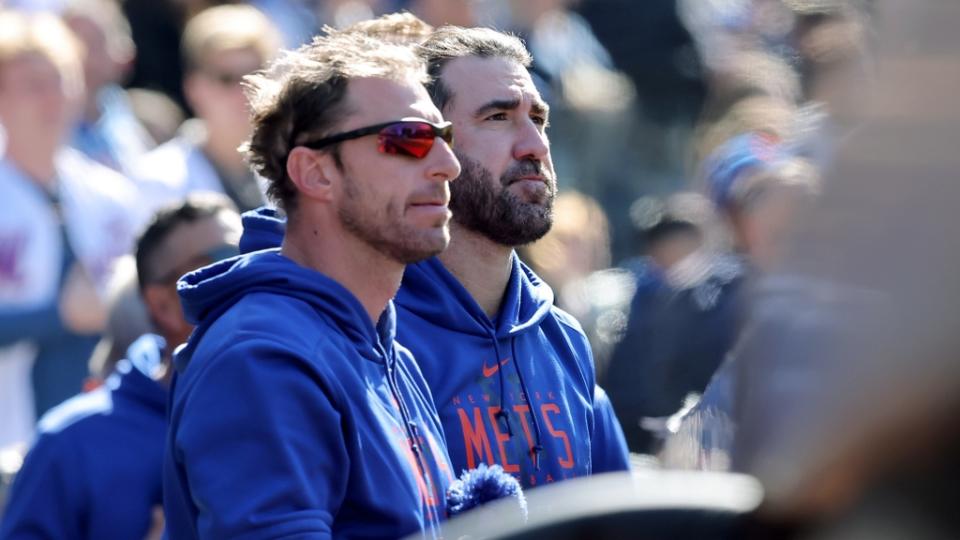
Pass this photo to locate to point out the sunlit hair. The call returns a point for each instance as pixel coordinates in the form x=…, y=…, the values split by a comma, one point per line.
x=449, y=42
x=402, y=28
x=226, y=28
x=301, y=96
x=107, y=15
x=45, y=35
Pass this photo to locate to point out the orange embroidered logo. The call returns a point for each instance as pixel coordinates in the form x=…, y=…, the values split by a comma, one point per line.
x=491, y=370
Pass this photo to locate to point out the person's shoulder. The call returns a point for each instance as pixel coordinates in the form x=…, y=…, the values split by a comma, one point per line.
x=165, y=164
x=72, y=417
x=567, y=320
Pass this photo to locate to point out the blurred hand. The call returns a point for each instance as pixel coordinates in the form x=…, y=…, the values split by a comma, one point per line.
x=81, y=308
x=156, y=524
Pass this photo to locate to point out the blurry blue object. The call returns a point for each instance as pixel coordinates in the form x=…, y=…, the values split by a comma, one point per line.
x=116, y=139
x=481, y=485
x=676, y=338
x=614, y=455
x=731, y=161
x=94, y=472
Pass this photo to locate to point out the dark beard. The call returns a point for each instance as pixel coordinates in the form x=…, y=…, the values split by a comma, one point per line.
x=483, y=205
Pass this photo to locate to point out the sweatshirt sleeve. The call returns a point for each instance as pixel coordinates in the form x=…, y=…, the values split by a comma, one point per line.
x=36, y=323
x=608, y=445
x=261, y=446
x=46, y=500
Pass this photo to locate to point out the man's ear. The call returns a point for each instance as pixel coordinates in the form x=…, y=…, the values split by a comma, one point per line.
x=314, y=173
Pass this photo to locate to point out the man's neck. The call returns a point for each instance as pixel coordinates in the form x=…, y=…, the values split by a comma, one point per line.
x=324, y=246
x=38, y=164
x=481, y=265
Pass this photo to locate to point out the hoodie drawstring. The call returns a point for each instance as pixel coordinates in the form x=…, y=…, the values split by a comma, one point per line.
x=537, y=448
x=413, y=432
x=504, y=414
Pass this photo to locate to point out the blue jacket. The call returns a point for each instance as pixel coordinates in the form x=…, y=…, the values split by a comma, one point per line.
x=431, y=323
x=293, y=416
x=94, y=471
x=517, y=391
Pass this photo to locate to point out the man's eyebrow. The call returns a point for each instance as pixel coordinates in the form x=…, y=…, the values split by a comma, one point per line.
x=497, y=105
x=540, y=108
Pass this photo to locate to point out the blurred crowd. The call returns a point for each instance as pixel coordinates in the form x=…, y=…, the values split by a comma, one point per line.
x=689, y=137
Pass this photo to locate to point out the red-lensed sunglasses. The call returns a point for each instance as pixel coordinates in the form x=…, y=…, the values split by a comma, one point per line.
x=412, y=137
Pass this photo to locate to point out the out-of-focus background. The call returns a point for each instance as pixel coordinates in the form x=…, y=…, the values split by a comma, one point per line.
x=754, y=225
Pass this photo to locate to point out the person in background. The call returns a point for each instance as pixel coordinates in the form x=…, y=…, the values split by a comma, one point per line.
x=64, y=220
x=292, y=401
x=95, y=470
x=107, y=131
x=683, y=317
x=220, y=46
x=759, y=186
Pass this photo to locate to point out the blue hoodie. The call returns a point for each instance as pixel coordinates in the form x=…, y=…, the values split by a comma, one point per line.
x=94, y=471
x=293, y=416
x=517, y=391
x=436, y=315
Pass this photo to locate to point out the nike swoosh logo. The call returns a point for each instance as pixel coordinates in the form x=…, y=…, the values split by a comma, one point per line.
x=492, y=370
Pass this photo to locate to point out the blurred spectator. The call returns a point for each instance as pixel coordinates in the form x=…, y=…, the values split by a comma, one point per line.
x=683, y=318
x=221, y=45
x=295, y=20
x=108, y=130
x=759, y=186
x=127, y=320
x=156, y=112
x=63, y=222
x=95, y=470
x=441, y=12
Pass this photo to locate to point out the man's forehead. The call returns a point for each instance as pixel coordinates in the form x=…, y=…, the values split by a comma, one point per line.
x=474, y=80
x=373, y=99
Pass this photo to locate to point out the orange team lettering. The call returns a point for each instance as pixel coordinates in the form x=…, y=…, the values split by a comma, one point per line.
x=501, y=438
x=475, y=438
x=523, y=410
x=566, y=463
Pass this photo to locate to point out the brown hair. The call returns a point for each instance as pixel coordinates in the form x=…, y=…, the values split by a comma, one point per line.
x=449, y=42
x=301, y=95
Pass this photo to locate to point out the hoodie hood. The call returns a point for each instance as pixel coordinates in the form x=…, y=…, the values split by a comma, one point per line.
x=526, y=302
x=210, y=291
x=263, y=228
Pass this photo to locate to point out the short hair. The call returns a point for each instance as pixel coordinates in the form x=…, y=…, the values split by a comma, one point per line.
x=403, y=28
x=151, y=246
x=300, y=96
x=224, y=28
x=449, y=42
x=45, y=35
x=107, y=15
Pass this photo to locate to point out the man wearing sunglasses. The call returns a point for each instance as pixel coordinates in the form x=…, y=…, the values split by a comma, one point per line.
x=294, y=412
x=511, y=375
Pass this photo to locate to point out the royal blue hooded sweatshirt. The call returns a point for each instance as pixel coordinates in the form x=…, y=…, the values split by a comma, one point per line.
x=517, y=391
x=293, y=416
x=456, y=346
x=94, y=471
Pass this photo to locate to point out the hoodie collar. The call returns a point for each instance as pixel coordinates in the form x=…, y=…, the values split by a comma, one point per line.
x=430, y=291
x=209, y=292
